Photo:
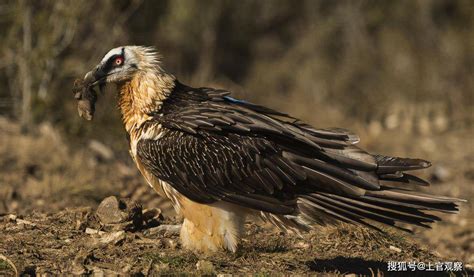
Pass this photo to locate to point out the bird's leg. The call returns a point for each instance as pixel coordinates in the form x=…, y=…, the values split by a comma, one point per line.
x=209, y=228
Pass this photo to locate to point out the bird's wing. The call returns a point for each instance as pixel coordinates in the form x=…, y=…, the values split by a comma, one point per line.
x=206, y=168
x=201, y=110
x=211, y=147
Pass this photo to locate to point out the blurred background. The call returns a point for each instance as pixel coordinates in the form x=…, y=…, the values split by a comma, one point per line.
x=398, y=73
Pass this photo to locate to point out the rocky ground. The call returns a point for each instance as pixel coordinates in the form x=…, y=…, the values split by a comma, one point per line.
x=120, y=238
x=51, y=220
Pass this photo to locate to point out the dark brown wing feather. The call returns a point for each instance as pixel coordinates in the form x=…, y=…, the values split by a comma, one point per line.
x=214, y=147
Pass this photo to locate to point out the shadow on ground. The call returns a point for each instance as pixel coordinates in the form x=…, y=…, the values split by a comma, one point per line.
x=346, y=265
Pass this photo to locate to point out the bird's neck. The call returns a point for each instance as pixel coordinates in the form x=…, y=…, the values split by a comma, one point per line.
x=143, y=96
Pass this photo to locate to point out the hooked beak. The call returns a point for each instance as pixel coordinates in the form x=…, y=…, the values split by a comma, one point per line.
x=95, y=77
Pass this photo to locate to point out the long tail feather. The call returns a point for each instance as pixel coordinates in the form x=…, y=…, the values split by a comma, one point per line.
x=385, y=207
x=386, y=164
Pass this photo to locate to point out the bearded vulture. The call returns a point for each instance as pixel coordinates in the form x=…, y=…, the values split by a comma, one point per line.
x=220, y=159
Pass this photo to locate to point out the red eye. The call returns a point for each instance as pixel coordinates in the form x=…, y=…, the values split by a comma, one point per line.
x=118, y=61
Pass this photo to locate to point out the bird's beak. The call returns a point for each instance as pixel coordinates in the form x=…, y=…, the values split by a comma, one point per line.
x=95, y=77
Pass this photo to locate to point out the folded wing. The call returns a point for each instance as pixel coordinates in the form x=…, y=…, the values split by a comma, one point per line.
x=212, y=147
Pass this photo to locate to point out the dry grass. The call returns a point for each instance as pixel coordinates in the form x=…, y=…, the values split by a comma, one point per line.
x=57, y=243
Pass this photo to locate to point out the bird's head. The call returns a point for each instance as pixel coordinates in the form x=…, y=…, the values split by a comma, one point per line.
x=122, y=64
x=138, y=76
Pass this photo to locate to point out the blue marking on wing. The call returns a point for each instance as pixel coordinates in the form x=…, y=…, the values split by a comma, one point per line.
x=233, y=100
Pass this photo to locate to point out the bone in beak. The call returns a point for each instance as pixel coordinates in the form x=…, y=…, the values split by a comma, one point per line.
x=85, y=96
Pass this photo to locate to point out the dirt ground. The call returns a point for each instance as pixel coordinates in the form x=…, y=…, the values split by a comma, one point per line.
x=49, y=219
x=64, y=243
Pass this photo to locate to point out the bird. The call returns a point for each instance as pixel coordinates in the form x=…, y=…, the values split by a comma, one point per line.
x=222, y=160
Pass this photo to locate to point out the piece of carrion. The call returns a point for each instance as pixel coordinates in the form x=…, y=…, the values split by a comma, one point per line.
x=86, y=98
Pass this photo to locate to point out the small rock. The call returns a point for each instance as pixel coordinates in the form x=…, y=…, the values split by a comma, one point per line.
x=11, y=217
x=109, y=211
x=91, y=231
x=205, y=267
x=396, y=249
x=114, y=211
